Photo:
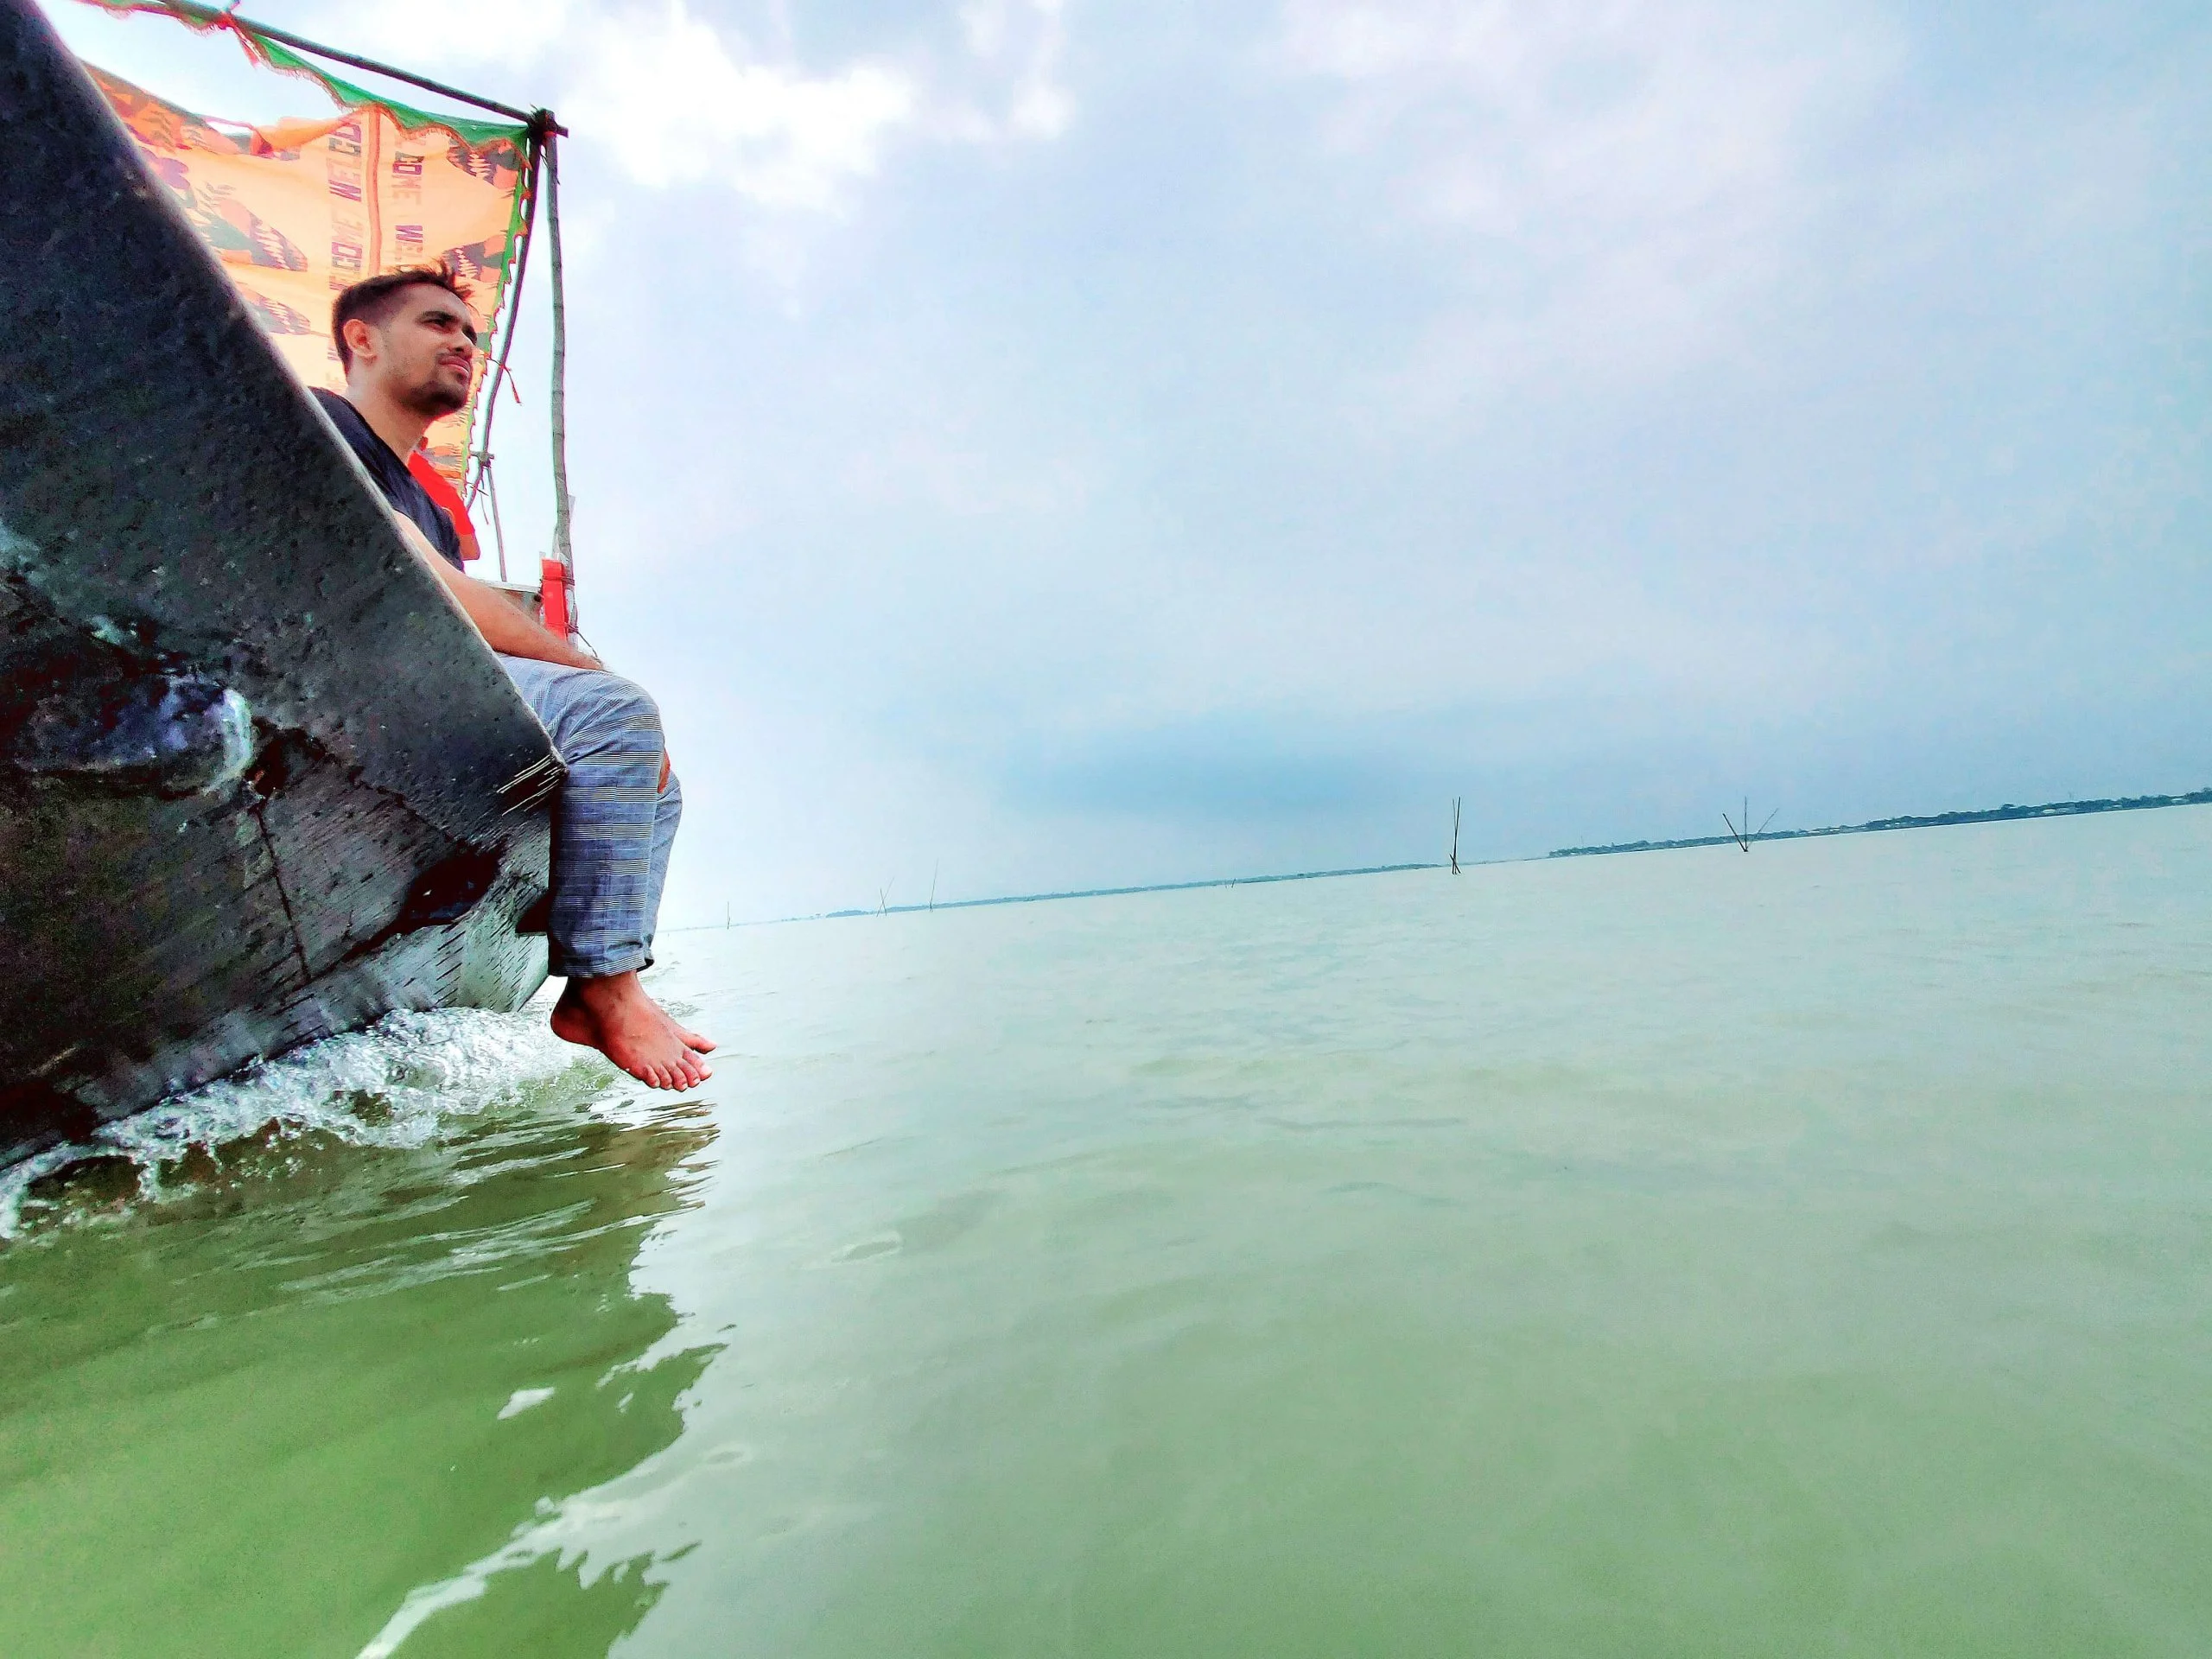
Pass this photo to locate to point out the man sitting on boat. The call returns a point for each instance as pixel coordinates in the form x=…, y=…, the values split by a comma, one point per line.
x=408, y=342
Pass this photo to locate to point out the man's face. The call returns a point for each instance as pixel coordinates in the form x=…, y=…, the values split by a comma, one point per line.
x=423, y=355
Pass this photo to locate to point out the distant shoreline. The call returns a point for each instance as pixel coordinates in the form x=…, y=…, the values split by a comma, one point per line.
x=1936, y=821
x=1985, y=815
x=1044, y=897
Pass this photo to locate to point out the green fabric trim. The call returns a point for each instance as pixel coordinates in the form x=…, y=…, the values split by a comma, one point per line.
x=471, y=130
x=474, y=133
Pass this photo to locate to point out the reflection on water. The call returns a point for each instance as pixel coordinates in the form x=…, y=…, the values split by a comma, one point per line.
x=257, y=1417
x=1803, y=1253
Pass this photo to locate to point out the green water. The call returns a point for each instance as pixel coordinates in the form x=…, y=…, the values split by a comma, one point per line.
x=1807, y=1252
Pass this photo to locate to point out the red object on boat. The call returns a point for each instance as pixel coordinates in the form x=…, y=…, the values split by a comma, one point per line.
x=553, y=596
x=442, y=492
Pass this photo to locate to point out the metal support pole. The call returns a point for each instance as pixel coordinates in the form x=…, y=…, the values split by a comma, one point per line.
x=498, y=530
x=542, y=124
x=563, y=548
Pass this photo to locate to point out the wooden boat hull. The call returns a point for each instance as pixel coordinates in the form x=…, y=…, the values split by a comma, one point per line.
x=260, y=781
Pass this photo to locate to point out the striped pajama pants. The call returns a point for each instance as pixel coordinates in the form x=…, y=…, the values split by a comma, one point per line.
x=612, y=824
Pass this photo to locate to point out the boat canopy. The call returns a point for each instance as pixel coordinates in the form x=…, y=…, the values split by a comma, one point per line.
x=298, y=210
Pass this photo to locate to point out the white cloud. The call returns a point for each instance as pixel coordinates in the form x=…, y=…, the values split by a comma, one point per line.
x=1029, y=37
x=477, y=30
x=683, y=102
x=1621, y=179
x=684, y=98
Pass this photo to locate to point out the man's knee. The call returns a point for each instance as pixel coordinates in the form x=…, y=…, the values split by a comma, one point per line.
x=630, y=702
x=615, y=714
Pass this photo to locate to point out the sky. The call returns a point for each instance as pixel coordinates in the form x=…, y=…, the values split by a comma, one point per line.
x=1033, y=444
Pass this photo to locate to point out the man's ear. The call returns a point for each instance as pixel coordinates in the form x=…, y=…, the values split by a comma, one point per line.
x=360, y=339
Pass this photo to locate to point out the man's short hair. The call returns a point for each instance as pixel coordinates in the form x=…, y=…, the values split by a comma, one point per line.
x=374, y=300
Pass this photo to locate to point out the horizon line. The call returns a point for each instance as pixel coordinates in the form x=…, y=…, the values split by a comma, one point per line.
x=2005, y=814
x=1073, y=892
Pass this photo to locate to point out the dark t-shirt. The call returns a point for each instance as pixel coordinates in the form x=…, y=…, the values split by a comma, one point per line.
x=408, y=499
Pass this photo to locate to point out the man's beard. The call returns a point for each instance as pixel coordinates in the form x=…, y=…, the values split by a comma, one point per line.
x=434, y=399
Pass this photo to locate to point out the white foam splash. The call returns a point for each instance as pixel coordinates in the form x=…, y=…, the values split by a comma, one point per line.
x=391, y=1085
x=521, y=1400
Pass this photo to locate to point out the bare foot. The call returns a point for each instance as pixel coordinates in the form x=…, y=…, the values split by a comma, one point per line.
x=615, y=1015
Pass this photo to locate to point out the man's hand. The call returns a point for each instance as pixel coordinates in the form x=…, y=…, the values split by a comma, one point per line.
x=503, y=626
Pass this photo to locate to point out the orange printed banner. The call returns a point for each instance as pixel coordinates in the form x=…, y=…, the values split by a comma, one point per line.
x=297, y=211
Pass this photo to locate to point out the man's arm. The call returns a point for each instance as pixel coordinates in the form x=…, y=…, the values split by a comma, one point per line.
x=497, y=618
